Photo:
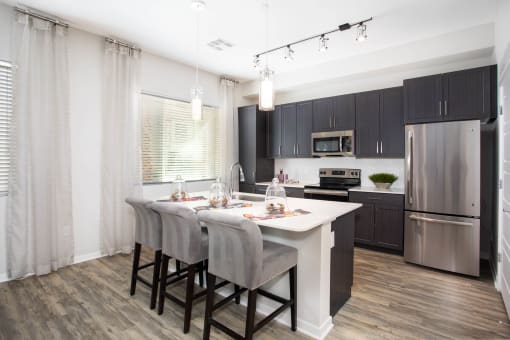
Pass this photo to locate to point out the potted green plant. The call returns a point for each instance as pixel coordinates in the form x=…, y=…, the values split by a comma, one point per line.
x=383, y=180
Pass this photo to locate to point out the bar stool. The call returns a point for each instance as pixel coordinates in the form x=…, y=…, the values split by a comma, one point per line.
x=238, y=254
x=185, y=240
x=147, y=233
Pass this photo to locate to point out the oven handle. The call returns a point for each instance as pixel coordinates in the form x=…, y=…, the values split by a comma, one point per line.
x=327, y=192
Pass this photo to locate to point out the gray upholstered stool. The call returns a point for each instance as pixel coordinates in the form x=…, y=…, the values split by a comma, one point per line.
x=185, y=240
x=238, y=254
x=147, y=233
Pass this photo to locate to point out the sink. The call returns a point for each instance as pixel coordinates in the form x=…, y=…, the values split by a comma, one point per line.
x=250, y=198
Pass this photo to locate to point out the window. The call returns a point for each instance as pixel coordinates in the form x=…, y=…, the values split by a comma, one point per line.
x=5, y=120
x=173, y=144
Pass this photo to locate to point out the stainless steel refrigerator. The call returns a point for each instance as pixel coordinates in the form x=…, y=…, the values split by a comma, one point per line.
x=442, y=199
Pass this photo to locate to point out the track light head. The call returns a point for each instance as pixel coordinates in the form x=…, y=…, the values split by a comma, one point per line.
x=256, y=62
x=323, y=43
x=361, y=34
x=288, y=54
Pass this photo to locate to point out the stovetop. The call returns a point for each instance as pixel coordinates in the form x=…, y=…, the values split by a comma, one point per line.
x=337, y=179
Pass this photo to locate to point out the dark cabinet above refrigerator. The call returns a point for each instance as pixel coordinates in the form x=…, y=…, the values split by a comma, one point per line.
x=461, y=95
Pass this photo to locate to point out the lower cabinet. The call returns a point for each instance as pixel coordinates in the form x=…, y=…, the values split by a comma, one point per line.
x=380, y=222
x=249, y=188
x=290, y=191
x=342, y=261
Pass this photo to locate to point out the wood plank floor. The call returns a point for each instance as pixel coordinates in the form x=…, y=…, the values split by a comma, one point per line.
x=391, y=300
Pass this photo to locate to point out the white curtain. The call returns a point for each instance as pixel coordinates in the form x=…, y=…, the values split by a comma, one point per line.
x=121, y=152
x=228, y=130
x=39, y=222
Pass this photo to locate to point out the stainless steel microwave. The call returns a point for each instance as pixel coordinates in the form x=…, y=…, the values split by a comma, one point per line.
x=333, y=143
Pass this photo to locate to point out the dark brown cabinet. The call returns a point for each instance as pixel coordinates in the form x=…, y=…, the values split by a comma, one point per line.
x=257, y=166
x=460, y=95
x=274, y=133
x=380, y=222
x=290, y=191
x=334, y=113
x=380, y=124
x=295, y=123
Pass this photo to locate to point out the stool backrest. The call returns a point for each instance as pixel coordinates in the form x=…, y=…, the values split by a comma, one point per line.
x=148, y=223
x=235, y=248
x=182, y=233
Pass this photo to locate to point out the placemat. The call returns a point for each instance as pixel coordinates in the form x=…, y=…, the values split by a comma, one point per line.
x=230, y=206
x=187, y=199
x=271, y=216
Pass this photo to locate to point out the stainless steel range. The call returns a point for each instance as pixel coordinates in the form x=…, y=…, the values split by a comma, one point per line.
x=334, y=184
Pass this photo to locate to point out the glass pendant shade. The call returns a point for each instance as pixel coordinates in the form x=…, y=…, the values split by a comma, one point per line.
x=266, y=92
x=196, y=103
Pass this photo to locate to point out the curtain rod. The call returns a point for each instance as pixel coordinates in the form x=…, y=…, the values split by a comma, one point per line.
x=121, y=43
x=42, y=17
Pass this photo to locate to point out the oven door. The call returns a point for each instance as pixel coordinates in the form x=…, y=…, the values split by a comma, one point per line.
x=335, y=143
x=327, y=195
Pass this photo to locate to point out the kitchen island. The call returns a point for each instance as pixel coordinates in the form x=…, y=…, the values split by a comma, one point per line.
x=324, y=239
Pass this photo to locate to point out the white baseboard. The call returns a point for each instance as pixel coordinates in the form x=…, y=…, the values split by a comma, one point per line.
x=87, y=257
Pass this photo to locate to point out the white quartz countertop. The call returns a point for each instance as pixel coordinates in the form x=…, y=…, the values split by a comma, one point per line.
x=300, y=185
x=321, y=212
x=399, y=191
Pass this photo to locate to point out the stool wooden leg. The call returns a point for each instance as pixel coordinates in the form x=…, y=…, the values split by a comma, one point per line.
x=209, y=302
x=155, y=278
x=201, y=274
x=162, y=286
x=190, y=284
x=293, y=294
x=250, y=315
x=136, y=262
x=238, y=298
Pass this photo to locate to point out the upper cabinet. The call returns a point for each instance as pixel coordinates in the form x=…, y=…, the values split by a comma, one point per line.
x=334, y=113
x=290, y=130
x=380, y=124
x=461, y=95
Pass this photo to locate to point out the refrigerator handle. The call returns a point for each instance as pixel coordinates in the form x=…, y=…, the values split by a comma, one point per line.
x=410, y=168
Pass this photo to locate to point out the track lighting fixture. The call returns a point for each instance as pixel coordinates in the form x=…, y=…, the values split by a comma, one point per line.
x=361, y=33
x=288, y=54
x=323, y=43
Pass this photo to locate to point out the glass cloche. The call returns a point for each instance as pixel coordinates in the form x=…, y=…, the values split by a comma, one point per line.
x=218, y=195
x=178, y=189
x=276, y=198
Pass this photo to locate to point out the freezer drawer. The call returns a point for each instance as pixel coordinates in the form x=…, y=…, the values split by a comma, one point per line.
x=444, y=242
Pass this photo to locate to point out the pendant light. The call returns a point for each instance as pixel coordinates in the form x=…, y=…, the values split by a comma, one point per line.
x=196, y=91
x=266, y=91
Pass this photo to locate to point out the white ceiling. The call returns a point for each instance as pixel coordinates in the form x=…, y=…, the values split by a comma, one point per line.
x=167, y=27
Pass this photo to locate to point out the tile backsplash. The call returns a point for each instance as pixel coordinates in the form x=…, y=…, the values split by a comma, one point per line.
x=307, y=169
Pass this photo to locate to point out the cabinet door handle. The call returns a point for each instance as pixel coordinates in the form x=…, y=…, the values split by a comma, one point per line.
x=297, y=148
x=294, y=149
x=381, y=146
x=440, y=109
x=445, y=108
x=330, y=121
x=334, y=121
x=377, y=147
x=280, y=150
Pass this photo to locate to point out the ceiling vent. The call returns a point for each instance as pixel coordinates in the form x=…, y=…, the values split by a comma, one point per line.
x=219, y=44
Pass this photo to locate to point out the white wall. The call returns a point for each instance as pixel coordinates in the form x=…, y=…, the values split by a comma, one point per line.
x=159, y=76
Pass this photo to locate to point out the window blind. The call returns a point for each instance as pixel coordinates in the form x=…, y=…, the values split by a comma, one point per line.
x=174, y=144
x=5, y=120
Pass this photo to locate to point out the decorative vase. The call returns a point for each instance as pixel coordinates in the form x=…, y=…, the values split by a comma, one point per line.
x=382, y=185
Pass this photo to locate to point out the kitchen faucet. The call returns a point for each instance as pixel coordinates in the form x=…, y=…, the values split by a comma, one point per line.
x=241, y=177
